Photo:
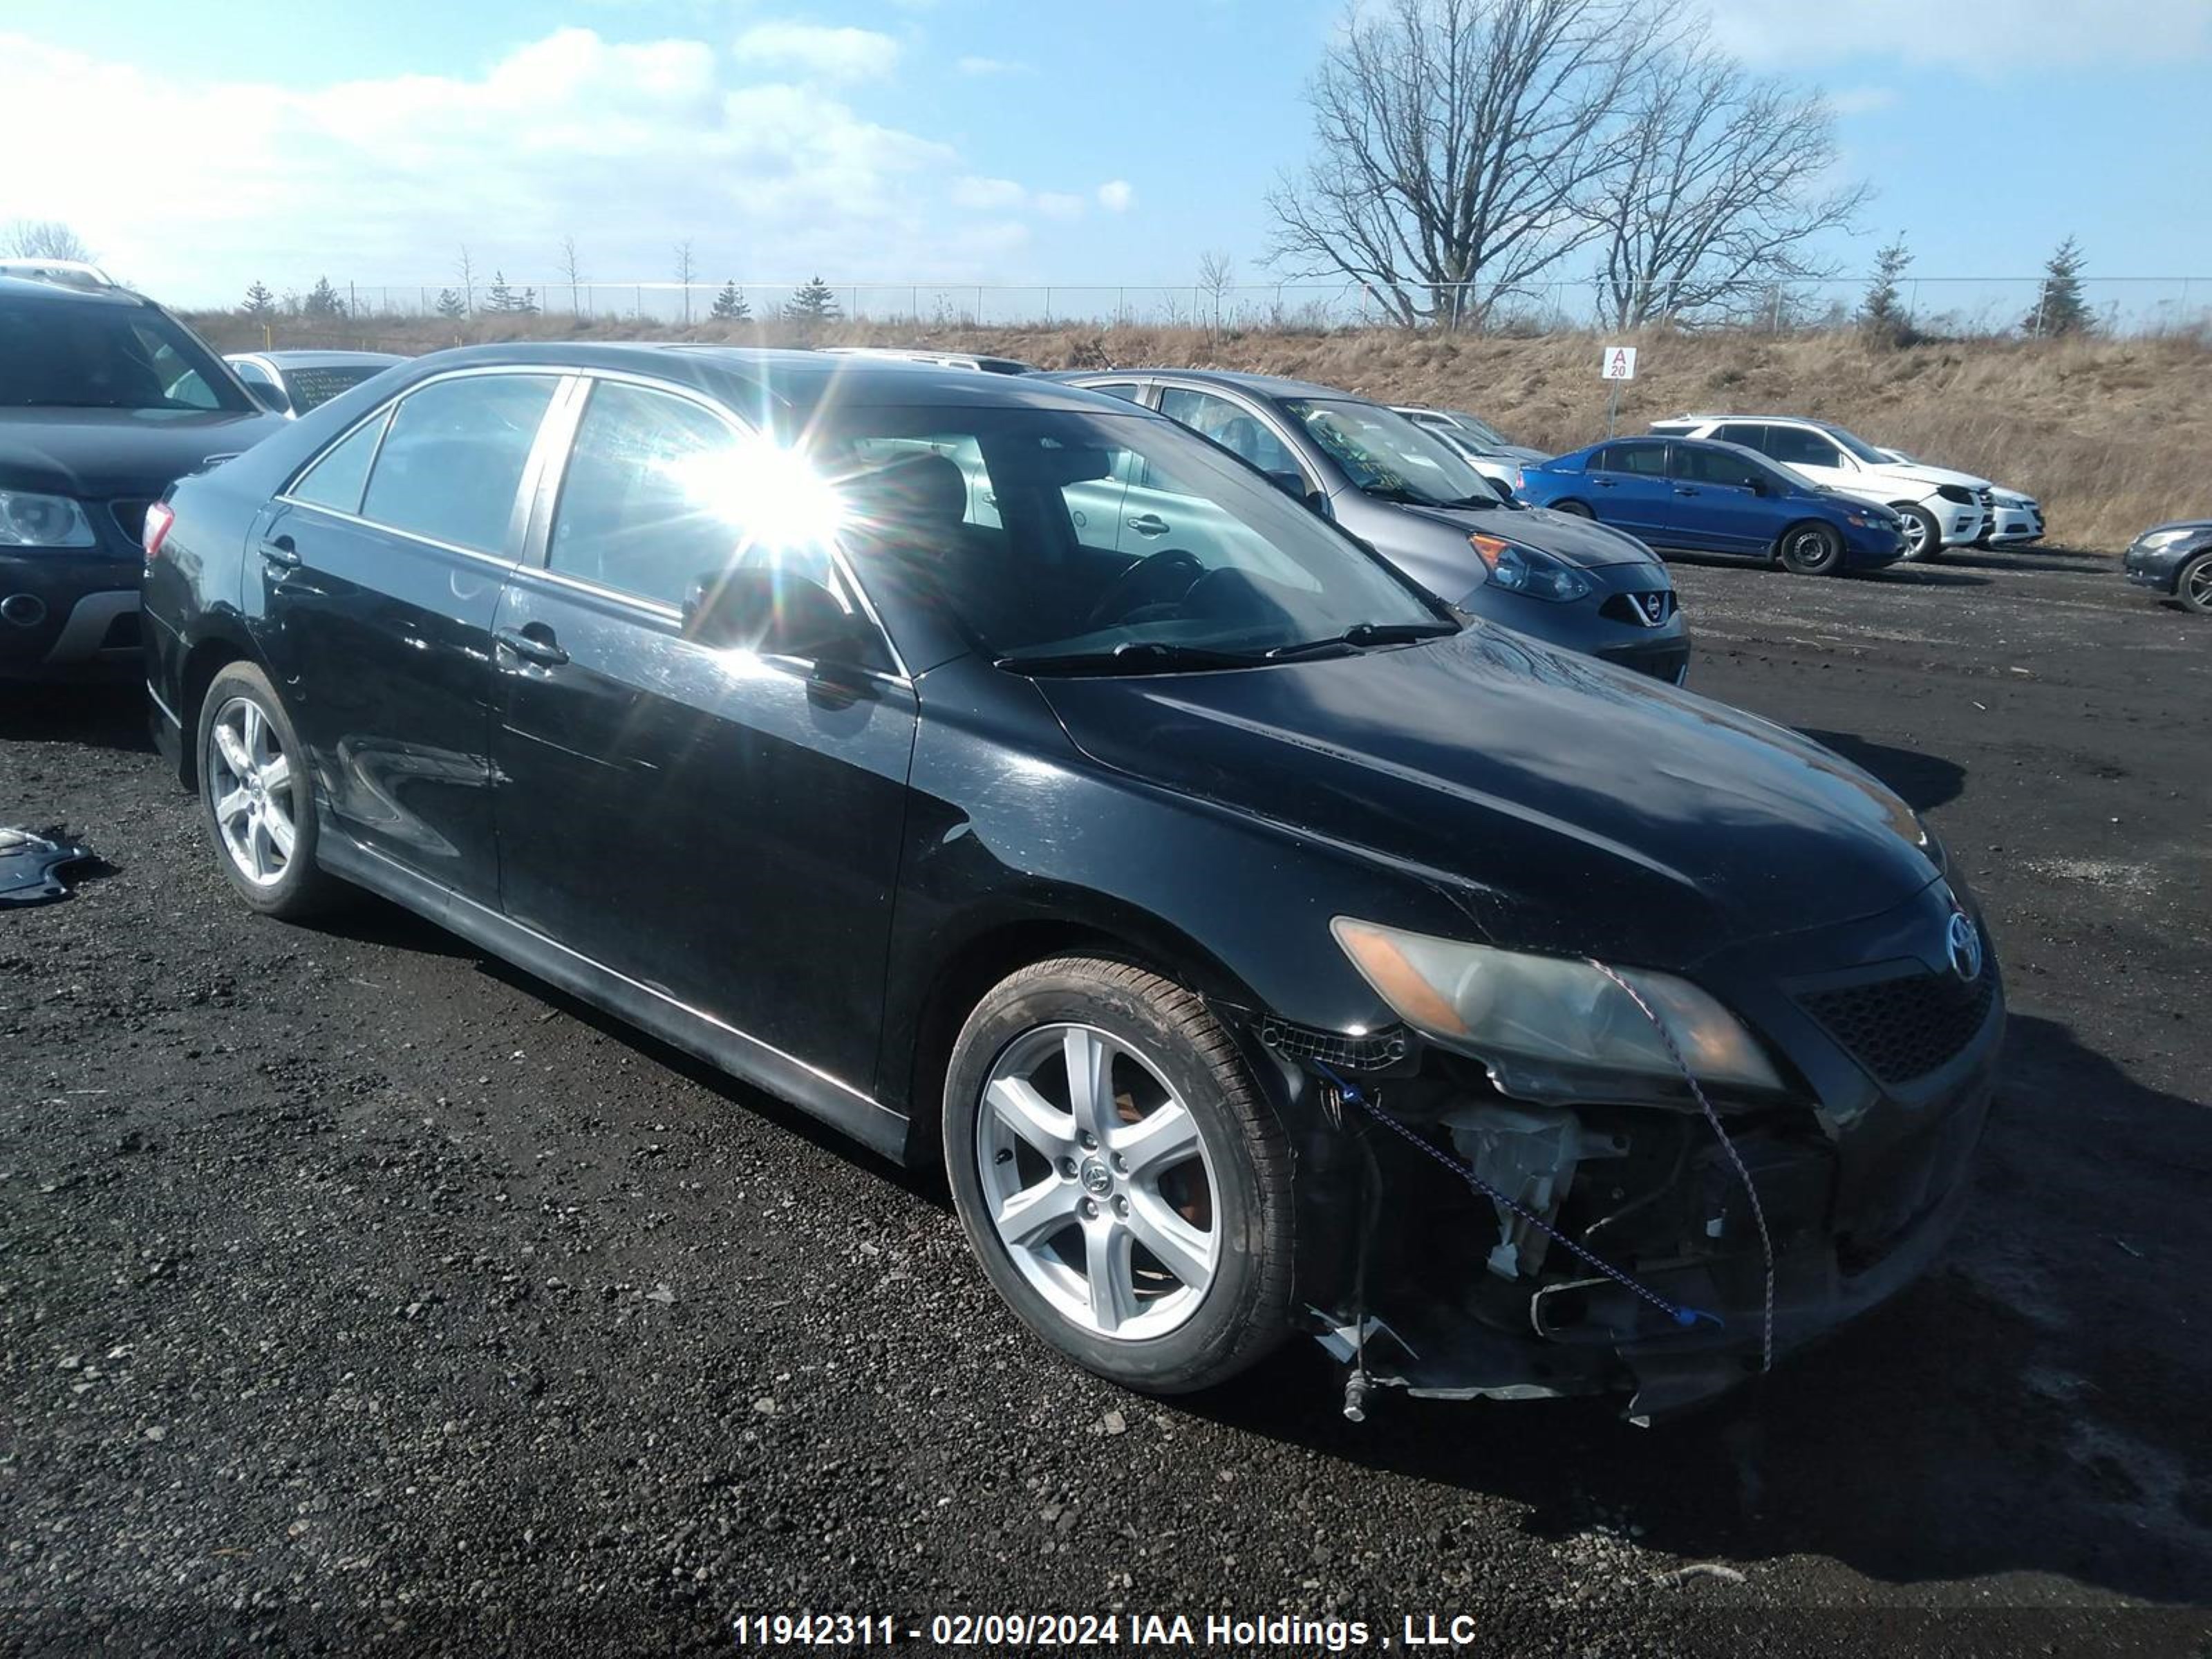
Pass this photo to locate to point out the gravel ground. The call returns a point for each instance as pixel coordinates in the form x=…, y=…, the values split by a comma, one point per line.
x=359, y=1294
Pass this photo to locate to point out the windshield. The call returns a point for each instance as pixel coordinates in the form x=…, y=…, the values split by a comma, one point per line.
x=1480, y=428
x=1386, y=455
x=76, y=355
x=1059, y=533
x=309, y=387
x=1858, y=446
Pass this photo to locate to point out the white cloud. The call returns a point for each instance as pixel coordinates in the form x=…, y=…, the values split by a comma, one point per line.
x=1990, y=37
x=1862, y=101
x=1117, y=196
x=631, y=148
x=987, y=193
x=1057, y=204
x=819, y=50
x=992, y=66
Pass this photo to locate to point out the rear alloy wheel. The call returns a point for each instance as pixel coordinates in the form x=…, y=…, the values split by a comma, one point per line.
x=1812, y=549
x=1923, y=536
x=1574, y=510
x=2193, y=586
x=255, y=796
x=1127, y=1188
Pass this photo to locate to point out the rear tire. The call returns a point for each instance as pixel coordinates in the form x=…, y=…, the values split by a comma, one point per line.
x=1923, y=536
x=1812, y=549
x=1143, y=1227
x=256, y=801
x=2192, y=585
x=1573, y=510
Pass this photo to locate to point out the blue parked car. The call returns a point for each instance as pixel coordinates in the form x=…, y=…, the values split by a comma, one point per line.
x=1691, y=494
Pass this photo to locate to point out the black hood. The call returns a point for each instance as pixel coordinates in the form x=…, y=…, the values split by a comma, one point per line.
x=1582, y=543
x=1569, y=806
x=104, y=454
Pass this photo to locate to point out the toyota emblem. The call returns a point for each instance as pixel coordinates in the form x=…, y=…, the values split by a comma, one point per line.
x=1965, y=941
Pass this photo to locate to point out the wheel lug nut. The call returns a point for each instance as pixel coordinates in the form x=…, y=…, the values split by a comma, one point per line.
x=1067, y=1168
x=1090, y=1208
x=1089, y=1140
x=1121, y=1207
x=1120, y=1165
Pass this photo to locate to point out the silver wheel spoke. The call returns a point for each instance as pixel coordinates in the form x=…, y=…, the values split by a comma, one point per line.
x=257, y=850
x=278, y=828
x=1015, y=1103
x=1181, y=1248
x=255, y=733
x=233, y=805
x=1165, y=1136
x=1033, y=1214
x=277, y=775
x=1089, y=1081
x=1113, y=1282
x=233, y=751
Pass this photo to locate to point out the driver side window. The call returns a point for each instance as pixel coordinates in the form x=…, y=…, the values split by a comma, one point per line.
x=1794, y=445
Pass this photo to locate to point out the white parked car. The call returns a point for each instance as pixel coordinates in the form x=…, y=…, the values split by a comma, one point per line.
x=2013, y=519
x=293, y=382
x=1941, y=509
x=1481, y=443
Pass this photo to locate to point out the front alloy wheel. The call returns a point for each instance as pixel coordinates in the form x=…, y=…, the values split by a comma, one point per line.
x=1923, y=536
x=2193, y=587
x=1124, y=1183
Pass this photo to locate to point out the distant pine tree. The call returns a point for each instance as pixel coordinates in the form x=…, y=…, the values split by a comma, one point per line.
x=2061, y=309
x=730, y=305
x=499, y=296
x=528, y=303
x=260, y=303
x=450, y=305
x=1882, y=312
x=323, y=301
x=814, y=303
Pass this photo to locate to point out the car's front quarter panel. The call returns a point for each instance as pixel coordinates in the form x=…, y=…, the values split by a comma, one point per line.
x=2159, y=568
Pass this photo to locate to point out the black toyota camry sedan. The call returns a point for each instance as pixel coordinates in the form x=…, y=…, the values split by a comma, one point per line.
x=1260, y=945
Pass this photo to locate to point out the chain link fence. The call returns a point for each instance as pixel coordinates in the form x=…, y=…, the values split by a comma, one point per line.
x=1968, y=307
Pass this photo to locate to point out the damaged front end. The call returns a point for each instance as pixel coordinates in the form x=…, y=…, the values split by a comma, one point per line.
x=1511, y=1232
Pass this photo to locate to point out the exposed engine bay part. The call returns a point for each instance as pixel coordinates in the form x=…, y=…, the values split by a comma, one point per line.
x=1530, y=1154
x=37, y=868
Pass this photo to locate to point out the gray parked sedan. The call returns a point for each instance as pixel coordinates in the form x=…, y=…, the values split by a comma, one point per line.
x=1565, y=581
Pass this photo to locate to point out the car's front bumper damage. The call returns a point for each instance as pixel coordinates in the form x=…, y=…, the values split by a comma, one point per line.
x=1443, y=1292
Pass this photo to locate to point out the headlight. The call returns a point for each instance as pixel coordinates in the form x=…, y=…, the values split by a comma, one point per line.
x=1524, y=570
x=1958, y=493
x=29, y=521
x=1502, y=1006
x=2150, y=543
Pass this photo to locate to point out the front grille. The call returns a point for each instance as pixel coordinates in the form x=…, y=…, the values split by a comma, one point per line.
x=1639, y=610
x=1903, y=1028
x=130, y=518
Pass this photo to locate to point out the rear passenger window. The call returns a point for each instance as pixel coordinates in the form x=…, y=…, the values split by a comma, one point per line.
x=1649, y=460
x=336, y=480
x=645, y=506
x=1750, y=434
x=453, y=458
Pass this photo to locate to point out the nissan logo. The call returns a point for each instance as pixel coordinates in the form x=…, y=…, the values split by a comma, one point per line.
x=1965, y=942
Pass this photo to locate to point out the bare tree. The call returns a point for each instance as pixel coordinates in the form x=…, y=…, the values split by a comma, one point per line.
x=465, y=268
x=1717, y=191
x=686, y=269
x=1216, y=274
x=1460, y=144
x=571, y=268
x=43, y=239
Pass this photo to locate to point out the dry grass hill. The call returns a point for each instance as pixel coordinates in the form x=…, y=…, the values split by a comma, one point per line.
x=2111, y=435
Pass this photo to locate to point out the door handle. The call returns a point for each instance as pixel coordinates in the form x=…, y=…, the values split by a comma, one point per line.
x=1150, y=524
x=538, y=646
x=1684, y=489
x=1603, y=483
x=279, y=549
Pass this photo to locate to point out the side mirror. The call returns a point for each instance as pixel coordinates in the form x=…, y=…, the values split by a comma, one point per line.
x=775, y=612
x=270, y=397
x=1757, y=487
x=1317, y=502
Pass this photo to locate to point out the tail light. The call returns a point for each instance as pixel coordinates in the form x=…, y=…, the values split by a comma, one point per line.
x=159, y=518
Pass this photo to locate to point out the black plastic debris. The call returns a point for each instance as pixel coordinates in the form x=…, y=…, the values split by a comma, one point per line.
x=37, y=868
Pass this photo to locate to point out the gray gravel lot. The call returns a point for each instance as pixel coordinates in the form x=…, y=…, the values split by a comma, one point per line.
x=360, y=1294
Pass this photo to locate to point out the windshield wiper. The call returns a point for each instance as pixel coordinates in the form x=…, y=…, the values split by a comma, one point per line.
x=1360, y=635
x=1130, y=657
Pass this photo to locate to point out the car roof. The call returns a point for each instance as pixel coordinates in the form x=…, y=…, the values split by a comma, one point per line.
x=1786, y=420
x=21, y=285
x=289, y=358
x=799, y=379
x=1266, y=385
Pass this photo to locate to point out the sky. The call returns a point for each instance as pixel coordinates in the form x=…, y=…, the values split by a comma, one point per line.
x=201, y=147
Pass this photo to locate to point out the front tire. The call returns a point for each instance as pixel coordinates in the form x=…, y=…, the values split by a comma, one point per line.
x=1923, y=536
x=1812, y=549
x=256, y=799
x=1118, y=1173
x=2192, y=585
